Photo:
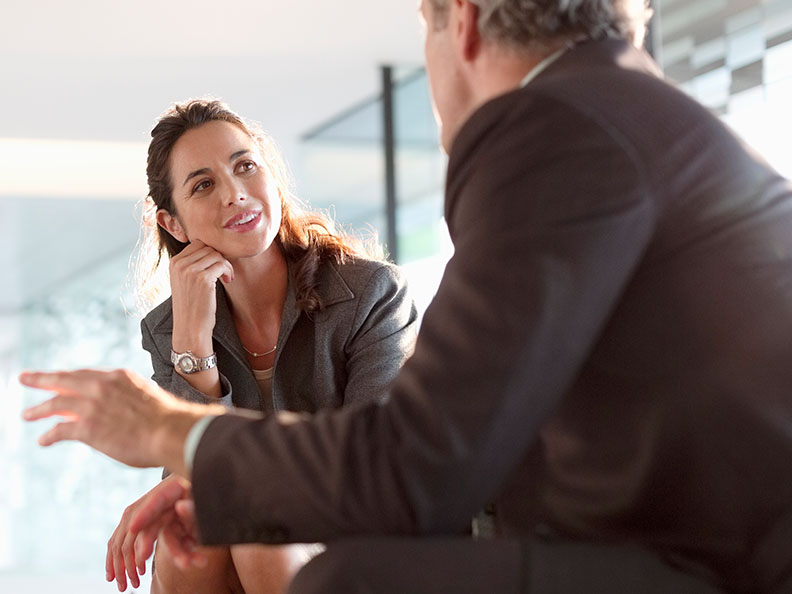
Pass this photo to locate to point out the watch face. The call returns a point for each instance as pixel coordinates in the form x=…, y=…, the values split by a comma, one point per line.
x=186, y=364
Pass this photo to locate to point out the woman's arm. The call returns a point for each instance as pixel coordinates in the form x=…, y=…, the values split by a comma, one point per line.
x=167, y=378
x=194, y=273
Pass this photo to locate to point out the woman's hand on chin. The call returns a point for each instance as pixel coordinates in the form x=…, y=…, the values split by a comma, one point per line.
x=193, y=276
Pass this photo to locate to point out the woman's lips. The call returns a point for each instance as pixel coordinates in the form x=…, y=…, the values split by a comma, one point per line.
x=245, y=221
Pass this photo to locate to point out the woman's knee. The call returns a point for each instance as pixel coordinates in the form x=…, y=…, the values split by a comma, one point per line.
x=167, y=578
x=264, y=569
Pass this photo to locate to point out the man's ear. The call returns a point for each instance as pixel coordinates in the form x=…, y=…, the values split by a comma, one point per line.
x=172, y=225
x=467, y=28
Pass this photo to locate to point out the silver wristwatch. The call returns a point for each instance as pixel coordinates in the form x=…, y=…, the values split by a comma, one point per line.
x=188, y=363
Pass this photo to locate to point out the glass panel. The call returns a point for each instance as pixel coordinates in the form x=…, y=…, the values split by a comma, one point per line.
x=66, y=304
x=420, y=170
x=343, y=171
x=734, y=56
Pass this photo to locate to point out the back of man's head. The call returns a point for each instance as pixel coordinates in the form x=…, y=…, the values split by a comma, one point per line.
x=525, y=23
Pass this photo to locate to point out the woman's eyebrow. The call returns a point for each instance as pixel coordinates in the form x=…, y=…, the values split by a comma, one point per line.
x=203, y=170
x=195, y=173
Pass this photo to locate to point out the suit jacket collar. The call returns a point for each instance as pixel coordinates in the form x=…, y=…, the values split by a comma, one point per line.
x=584, y=57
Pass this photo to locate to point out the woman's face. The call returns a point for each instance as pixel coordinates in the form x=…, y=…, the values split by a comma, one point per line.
x=223, y=192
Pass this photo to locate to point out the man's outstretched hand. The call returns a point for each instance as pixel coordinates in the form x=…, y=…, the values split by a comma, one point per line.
x=118, y=413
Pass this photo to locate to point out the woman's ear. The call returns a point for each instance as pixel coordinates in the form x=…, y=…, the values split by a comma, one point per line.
x=172, y=225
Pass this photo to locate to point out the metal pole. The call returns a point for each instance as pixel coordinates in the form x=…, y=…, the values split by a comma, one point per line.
x=389, y=152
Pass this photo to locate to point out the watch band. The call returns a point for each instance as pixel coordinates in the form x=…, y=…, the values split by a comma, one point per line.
x=188, y=363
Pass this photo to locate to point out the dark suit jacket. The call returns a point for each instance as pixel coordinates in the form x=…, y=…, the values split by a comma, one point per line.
x=347, y=353
x=608, y=357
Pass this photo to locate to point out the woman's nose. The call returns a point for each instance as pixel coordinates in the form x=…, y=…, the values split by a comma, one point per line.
x=234, y=193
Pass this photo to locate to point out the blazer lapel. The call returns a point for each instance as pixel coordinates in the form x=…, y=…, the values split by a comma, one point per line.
x=288, y=317
x=225, y=331
x=332, y=288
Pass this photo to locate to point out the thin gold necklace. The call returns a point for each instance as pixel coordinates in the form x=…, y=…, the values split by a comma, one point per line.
x=269, y=352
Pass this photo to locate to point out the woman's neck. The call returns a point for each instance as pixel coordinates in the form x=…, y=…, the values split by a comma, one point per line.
x=258, y=291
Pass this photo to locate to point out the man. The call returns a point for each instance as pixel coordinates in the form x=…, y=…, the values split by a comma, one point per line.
x=605, y=367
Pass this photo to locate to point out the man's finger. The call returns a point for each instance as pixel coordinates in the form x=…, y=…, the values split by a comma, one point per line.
x=60, y=432
x=64, y=406
x=82, y=381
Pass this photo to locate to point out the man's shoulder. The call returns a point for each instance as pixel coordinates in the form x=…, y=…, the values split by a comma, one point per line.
x=584, y=82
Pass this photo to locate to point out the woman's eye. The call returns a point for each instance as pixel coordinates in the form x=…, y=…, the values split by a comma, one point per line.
x=201, y=186
x=245, y=166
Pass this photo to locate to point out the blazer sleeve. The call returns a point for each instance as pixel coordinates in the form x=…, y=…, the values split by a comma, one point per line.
x=546, y=239
x=165, y=375
x=382, y=336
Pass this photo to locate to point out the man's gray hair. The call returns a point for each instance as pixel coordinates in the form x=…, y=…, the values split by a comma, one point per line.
x=523, y=23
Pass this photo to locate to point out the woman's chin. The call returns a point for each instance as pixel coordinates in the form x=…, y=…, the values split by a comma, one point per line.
x=252, y=252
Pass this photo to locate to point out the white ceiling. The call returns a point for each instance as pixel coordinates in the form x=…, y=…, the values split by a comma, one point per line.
x=104, y=69
x=82, y=81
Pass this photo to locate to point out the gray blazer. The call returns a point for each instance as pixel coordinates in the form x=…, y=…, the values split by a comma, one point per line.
x=347, y=352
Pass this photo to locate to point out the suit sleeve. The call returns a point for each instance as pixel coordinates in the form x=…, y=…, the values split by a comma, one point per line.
x=549, y=215
x=382, y=336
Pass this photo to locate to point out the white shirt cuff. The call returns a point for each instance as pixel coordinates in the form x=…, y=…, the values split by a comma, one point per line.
x=193, y=437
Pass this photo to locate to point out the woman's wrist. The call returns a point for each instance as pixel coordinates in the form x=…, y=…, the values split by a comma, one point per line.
x=200, y=346
x=207, y=382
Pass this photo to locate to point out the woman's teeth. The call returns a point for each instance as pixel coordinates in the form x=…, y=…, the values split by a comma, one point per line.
x=245, y=219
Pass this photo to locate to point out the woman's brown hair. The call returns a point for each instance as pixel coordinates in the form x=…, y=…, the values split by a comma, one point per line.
x=306, y=237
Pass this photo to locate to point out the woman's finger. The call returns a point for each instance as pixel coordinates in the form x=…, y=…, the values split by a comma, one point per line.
x=128, y=552
x=181, y=547
x=220, y=270
x=120, y=570
x=112, y=545
x=194, y=246
x=158, y=508
x=141, y=561
x=202, y=264
x=189, y=257
x=144, y=543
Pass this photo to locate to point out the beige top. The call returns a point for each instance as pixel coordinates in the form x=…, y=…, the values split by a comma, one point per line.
x=264, y=381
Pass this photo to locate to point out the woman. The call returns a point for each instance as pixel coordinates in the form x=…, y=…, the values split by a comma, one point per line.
x=301, y=318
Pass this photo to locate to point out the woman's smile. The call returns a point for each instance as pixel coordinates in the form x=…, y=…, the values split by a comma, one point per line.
x=244, y=221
